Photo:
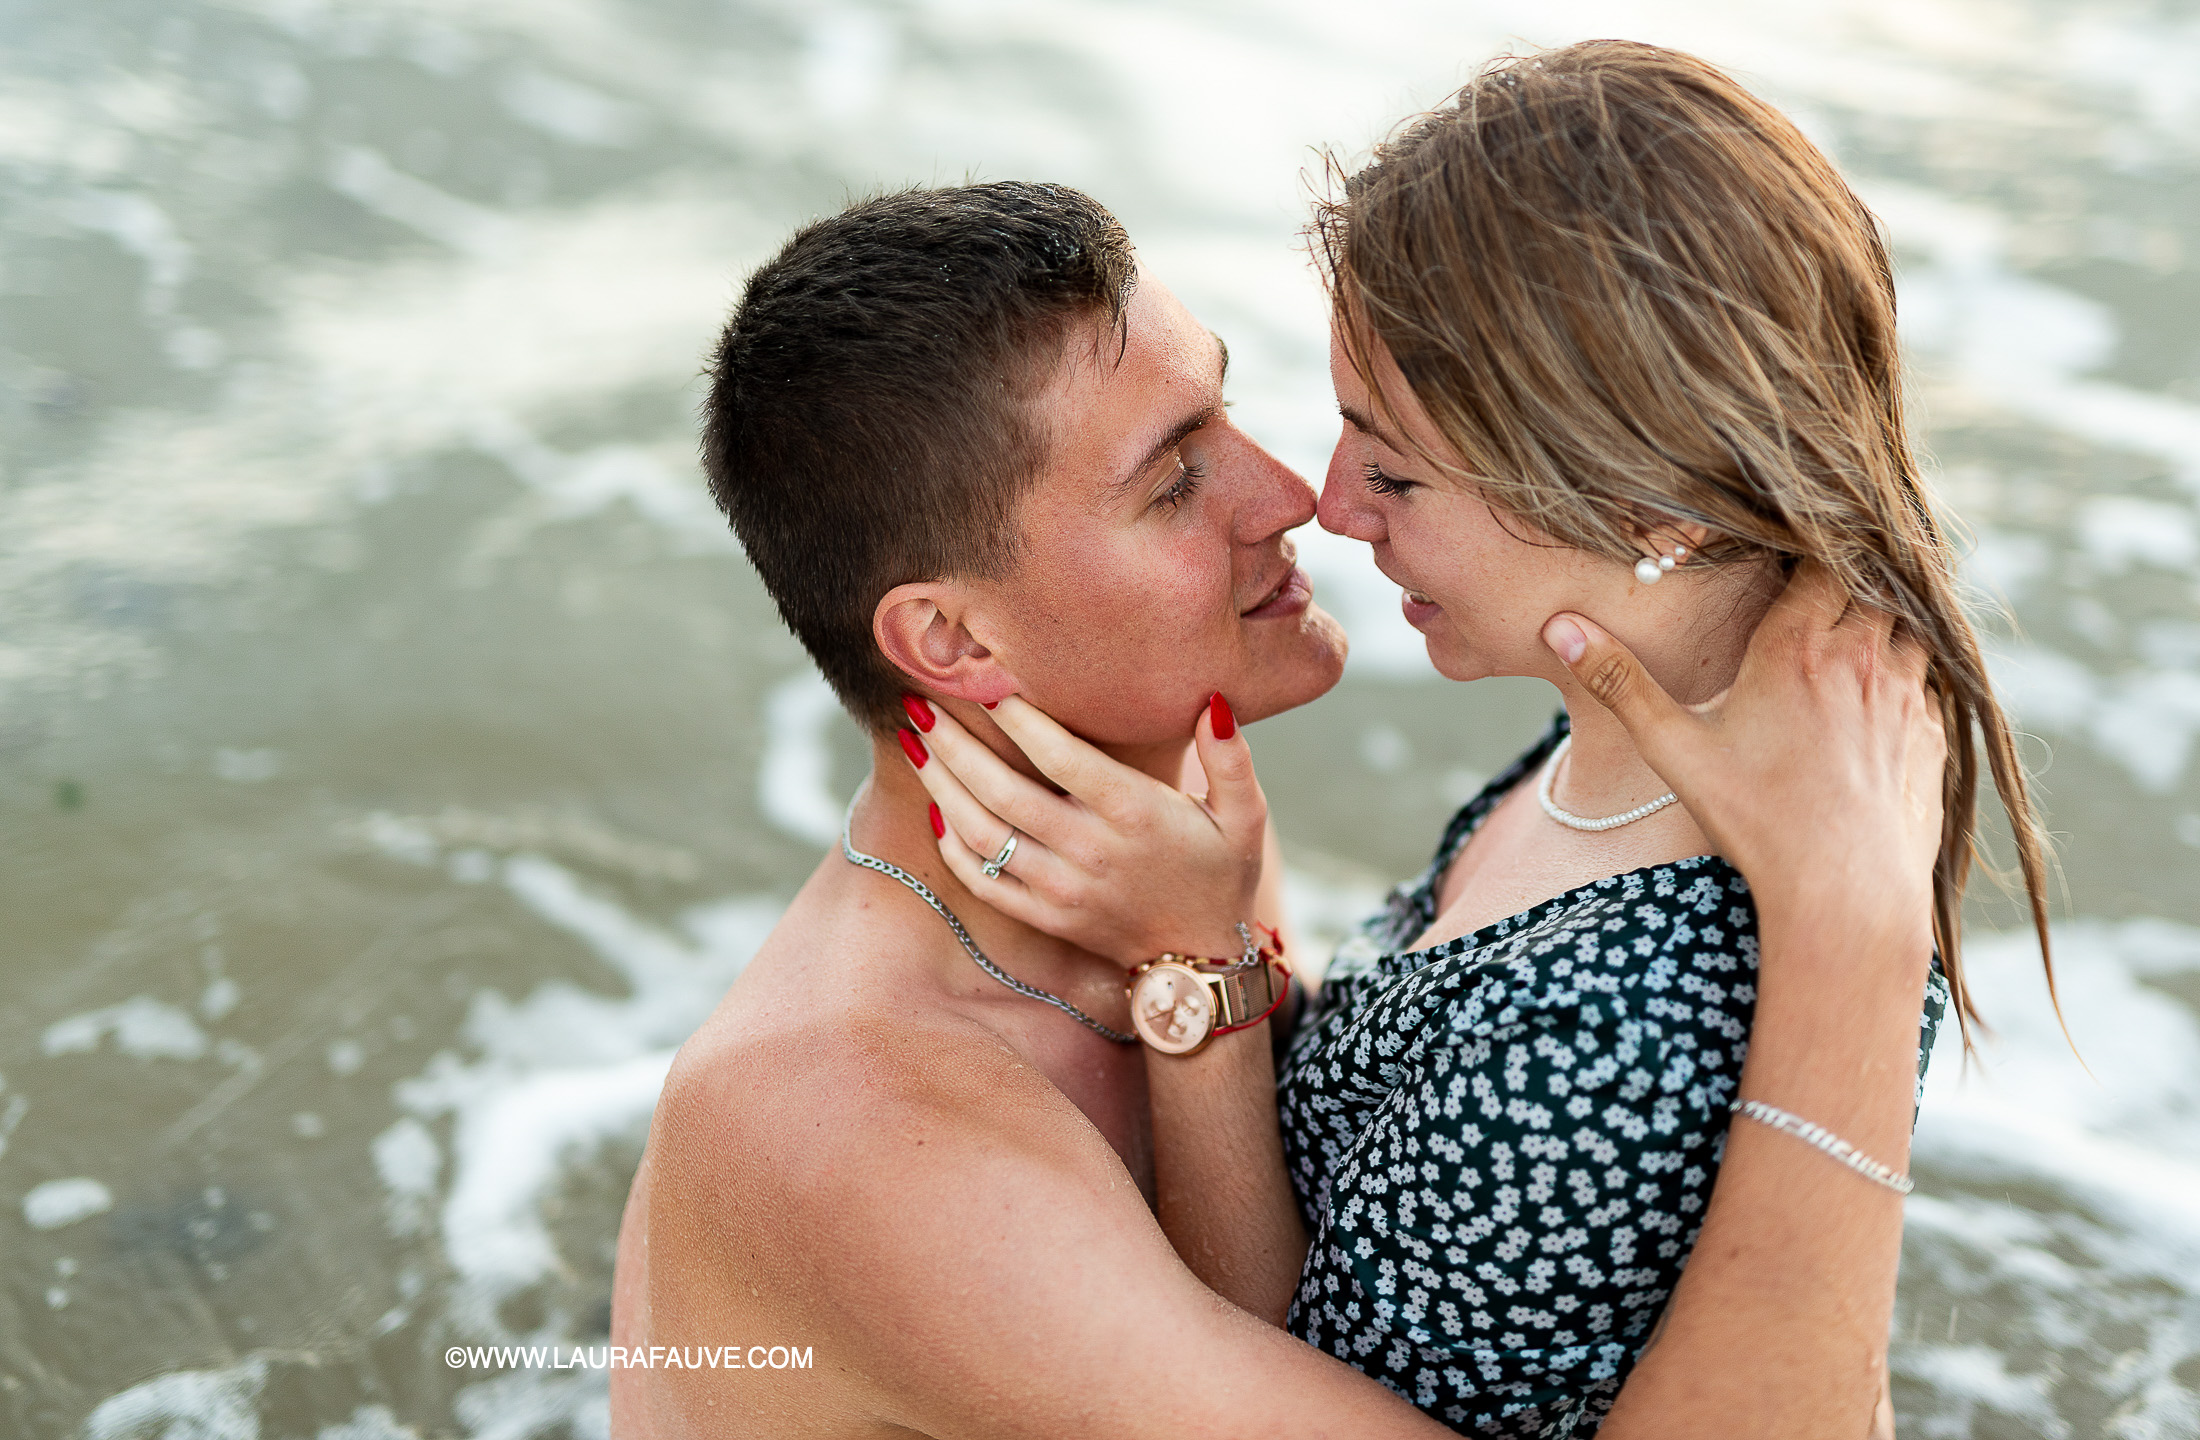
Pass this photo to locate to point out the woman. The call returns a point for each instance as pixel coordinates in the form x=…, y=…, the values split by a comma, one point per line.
x=1611, y=338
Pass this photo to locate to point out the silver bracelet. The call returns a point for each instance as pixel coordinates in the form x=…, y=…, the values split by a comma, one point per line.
x=1825, y=1140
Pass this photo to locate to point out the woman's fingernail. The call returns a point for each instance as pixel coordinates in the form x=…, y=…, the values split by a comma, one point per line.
x=1218, y=711
x=990, y=704
x=939, y=825
x=1565, y=637
x=912, y=747
x=919, y=712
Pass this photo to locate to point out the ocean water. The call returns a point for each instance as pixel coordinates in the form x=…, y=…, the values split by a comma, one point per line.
x=397, y=758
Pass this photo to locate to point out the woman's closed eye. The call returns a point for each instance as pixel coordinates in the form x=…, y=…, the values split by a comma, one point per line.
x=1382, y=482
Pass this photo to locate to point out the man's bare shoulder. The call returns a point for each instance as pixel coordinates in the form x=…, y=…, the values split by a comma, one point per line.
x=879, y=1179
x=820, y=1083
x=820, y=1080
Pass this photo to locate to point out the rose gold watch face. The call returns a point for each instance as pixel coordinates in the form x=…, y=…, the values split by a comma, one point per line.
x=1172, y=1009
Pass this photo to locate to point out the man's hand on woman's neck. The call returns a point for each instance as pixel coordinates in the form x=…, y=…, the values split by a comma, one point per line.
x=1692, y=665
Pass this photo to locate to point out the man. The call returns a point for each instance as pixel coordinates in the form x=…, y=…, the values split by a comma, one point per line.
x=973, y=451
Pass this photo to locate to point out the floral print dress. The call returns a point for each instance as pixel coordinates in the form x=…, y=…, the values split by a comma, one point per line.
x=1503, y=1144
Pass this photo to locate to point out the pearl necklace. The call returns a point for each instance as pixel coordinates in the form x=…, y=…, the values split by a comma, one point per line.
x=1582, y=822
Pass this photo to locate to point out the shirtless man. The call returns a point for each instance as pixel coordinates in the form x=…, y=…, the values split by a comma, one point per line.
x=973, y=451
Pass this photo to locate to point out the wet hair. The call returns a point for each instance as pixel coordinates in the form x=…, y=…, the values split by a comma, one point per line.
x=1630, y=294
x=870, y=422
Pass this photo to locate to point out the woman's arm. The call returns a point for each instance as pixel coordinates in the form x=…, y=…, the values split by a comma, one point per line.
x=1198, y=866
x=1222, y=1195
x=1224, y=1199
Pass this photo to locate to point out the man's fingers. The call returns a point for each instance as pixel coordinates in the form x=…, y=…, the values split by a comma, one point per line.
x=1616, y=680
x=1910, y=659
x=1234, y=796
x=1812, y=604
x=1105, y=785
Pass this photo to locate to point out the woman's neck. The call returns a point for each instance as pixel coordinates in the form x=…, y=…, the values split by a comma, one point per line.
x=1605, y=773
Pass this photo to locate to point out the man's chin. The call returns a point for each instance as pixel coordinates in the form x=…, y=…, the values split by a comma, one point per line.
x=1302, y=667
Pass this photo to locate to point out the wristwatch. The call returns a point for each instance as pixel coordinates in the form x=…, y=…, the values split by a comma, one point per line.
x=1180, y=1002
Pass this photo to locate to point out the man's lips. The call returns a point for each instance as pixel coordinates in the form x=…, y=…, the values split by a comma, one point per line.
x=1291, y=595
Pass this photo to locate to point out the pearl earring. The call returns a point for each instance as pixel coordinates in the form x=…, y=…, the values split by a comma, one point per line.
x=1649, y=571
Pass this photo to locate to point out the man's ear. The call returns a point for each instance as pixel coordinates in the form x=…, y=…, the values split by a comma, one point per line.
x=923, y=631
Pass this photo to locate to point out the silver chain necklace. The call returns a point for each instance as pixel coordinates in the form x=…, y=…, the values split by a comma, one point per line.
x=1583, y=822
x=924, y=893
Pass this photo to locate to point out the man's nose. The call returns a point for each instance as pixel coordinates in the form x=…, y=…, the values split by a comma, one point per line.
x=1278, y=499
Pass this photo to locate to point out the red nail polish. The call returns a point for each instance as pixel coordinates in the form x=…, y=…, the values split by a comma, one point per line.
x=1225, y=723
x=913, y=748
x=939, y=826
x=990, y=704
x=919, y=712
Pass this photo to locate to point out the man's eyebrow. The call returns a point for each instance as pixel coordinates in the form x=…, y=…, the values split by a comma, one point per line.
x=1168, y=441
x=1182, y=428
x=1367, y=426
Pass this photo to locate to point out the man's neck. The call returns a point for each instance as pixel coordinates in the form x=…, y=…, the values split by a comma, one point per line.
x=1164, y=760
x=891, y=821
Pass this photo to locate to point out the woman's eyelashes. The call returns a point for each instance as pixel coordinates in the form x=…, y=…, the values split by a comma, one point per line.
x=1382, y=482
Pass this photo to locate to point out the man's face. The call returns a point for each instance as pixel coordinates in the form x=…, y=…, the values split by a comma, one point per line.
x=1154, y=570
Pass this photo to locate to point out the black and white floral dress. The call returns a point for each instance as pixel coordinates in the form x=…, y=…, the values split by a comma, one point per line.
x=1503, y=1144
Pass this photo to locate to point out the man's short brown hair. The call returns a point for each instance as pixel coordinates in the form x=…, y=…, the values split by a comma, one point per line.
x=869, y=422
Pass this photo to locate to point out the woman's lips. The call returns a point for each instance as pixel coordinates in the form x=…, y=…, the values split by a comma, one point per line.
x=1419, y=609
x=1289, y=598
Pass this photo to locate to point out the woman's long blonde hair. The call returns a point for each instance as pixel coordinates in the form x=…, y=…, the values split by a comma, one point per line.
x=1628, y=293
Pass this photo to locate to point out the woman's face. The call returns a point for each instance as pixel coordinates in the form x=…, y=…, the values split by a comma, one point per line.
x=1479, y=582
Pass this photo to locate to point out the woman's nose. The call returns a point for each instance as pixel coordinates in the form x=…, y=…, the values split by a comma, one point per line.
x=1344, y=508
